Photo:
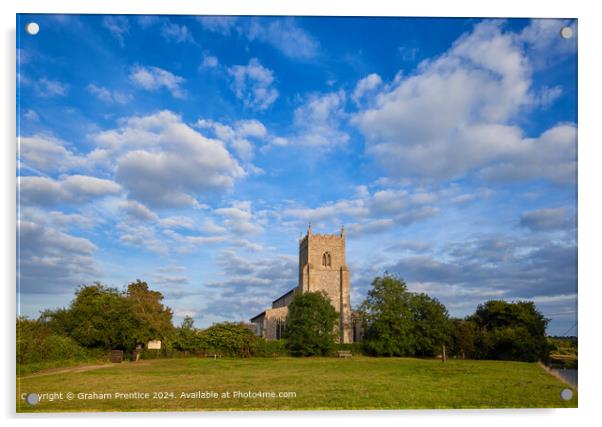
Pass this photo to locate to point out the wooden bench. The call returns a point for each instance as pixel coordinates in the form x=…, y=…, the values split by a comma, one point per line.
x=116, y=356
x=344, y=353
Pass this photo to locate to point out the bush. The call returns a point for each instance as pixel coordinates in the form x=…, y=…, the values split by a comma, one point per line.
x=275, y=348
x=228, y=339
x=39, y=347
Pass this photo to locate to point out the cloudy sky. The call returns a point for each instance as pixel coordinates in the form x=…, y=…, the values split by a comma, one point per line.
x=191, y=152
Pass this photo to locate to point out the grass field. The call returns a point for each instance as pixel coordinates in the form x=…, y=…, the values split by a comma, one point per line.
x=297, y=383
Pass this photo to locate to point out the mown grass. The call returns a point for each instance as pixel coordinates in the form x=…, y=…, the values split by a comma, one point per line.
x=318, y=383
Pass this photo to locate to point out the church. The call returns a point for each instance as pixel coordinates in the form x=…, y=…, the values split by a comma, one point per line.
x=322, y=267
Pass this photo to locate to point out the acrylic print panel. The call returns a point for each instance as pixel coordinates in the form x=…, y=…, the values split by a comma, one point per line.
x=284, y=213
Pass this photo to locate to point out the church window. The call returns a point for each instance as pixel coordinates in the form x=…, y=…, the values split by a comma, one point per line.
x=326, y=260
x=280, y=325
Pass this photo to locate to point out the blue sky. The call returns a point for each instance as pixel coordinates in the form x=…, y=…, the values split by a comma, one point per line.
x=192, y=152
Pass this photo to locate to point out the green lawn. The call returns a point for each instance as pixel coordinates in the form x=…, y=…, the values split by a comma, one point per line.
x=316, y=383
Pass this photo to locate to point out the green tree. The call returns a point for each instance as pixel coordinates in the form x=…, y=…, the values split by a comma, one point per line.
x=463, y=339
x=387, y=318
x=310, y=325
x=187, y=337
x=430, y=325
x=99, y=316
x=511, y=331
x=401, y=323
x=154, y=319
x=104, y=317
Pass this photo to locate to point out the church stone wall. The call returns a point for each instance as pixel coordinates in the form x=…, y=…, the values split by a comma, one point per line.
x=273, y=318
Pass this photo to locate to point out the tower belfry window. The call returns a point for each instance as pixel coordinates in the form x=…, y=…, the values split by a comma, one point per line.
x=326, y=260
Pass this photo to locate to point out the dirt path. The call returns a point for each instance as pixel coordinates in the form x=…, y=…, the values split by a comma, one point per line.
x=555, y=373
x=54, y=371
x=83, y=368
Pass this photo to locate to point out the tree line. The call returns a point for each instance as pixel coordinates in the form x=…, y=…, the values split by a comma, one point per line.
x=394, y=321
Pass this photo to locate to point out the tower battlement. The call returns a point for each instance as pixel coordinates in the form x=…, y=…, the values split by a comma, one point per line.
x=324, y=236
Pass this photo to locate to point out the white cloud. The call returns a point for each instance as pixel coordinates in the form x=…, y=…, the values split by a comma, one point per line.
x=47, y=153
x=454, y=115
x=141, y=235
x=118, y=25
x=329, y=211
x=170, y=279
x=370, y=212
x=209, y=61
x=137, y=210
x=143, y=228
x=43, y=86
x=551, y=156
x=147, y=21
x=367, y=84
x=58, y=220
x=52, y=261
x=251, y=128
x=239, y=219
x=70, y=189
x=218, y=24
x=253, y=247
x=190, y=243
x=284, y=35
x=236, y=136
x=370, y=227
x=253, y=84
x=107, y=95
x=210, y=227
x=164, y=162
x=408, y=53
x=280, y=141
x=176, y=33
x=463, y=198
x=317, y=122
x=154, y=78
x=543, y=41
x=49, y=88
x=31, y=115
x=173, y=222
x=548, y=95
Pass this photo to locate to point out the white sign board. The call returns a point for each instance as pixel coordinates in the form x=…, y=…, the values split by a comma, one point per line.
x=154, y=345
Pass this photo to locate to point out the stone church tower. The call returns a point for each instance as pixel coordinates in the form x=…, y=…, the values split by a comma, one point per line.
x=322, y=267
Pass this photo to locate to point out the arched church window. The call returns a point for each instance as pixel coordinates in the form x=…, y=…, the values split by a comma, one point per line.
x=326, y=260
x=280, y=326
